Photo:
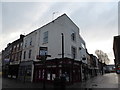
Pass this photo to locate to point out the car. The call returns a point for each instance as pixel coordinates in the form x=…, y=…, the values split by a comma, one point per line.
x=118, y=71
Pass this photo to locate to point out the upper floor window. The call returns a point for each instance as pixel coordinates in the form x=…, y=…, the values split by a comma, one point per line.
x=26, y=43
x=45, y=37
x=18, y=47
x=73, y=52
x=30, y=41
x=83, y=45
x=15, y=48
x=30, y=53
x=21, y=44
x=73, y=36
x=24, y=55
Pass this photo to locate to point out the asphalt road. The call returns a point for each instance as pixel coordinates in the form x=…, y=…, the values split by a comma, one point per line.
x=111, y=81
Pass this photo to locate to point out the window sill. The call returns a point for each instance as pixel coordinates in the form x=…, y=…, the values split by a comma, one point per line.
x=45, y=43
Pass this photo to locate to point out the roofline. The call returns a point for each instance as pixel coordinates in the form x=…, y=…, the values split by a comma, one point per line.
x=53, y=22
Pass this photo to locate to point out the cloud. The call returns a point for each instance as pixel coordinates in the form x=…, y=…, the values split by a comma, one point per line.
x=18, y=18
x=0, y=24
x=105, y=45
x=60, y=0
x=97, y=20
x=19, y=15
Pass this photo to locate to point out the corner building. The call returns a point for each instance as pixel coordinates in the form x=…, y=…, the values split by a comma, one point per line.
x=48, y=39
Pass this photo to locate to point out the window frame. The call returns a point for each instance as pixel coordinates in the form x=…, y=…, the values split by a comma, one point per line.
x=29, y=54
x=73, y=52
x=73, y=36
x=45, y=37
x=30, y=41
x=24, y=55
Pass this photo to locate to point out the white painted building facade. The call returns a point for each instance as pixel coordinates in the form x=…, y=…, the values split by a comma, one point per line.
x=50, y=38
x=0, y=59
x=53, y=30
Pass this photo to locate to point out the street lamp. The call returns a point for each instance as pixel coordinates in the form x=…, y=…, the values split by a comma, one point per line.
x=44, y=65
x=43, y=57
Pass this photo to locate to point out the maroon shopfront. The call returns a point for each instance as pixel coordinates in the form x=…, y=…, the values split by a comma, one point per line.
x=57, y=67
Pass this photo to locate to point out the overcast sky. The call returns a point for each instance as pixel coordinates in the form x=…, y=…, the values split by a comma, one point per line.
x=98, y=21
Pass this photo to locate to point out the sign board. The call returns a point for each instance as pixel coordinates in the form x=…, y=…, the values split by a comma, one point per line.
x=6, y=60
x=43, y=51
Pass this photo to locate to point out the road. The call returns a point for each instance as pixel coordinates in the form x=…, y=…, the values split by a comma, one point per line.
x=111, y=80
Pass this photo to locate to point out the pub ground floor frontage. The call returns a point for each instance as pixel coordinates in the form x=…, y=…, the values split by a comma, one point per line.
x=10, y=71
x=40, y=71
x=13, y=71
x=37, y=71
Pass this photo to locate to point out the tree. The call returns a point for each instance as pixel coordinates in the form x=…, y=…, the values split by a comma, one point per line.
x=103, y=57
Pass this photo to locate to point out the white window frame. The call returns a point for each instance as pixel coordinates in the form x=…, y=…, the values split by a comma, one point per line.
x=73, y=54
x=45, y=37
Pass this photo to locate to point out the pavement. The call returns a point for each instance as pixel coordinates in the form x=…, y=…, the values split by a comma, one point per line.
x=110, y=81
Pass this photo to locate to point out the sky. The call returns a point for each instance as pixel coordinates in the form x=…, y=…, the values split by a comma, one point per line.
x=97, y=21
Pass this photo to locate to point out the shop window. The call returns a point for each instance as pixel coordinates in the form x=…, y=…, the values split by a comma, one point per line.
x=53, y=76
x=43, y=73
x=48, y=76
x=39, y=74
x=28, y=72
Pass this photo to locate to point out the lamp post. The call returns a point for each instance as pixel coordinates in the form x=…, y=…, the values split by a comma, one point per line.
x=43, y=56
x=44, y=65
